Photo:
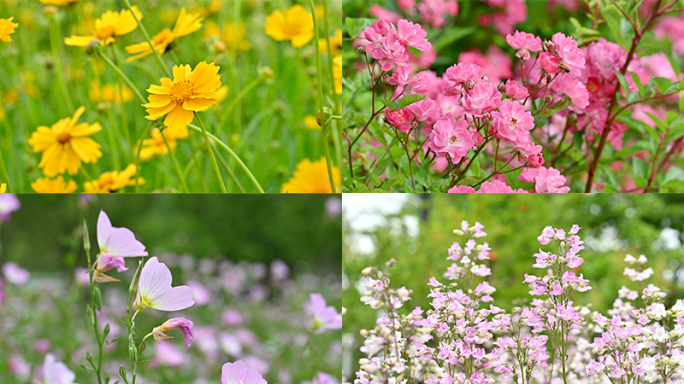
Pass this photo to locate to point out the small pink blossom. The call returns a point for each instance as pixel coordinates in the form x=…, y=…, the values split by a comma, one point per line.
x=461, y=76
x=524, y=43
x=549, y=62
x=15, y=274
x=238, y=373
x=572, y=57
x=8, y=204
x=389, y=52
x=400, y=119
x=531, y=152
x=450, y=136
x=412, y=35
x=155, y=291
x=547, y=180
x=512, y=122
x=497, y=186
x=515, y=90
x=461, y=189
x=572, y=87
x=483, y=98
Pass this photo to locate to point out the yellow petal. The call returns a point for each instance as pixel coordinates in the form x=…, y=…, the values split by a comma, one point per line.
x=178, y=118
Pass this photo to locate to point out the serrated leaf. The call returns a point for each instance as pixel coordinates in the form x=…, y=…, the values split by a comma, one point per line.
x=555, y=108
x=356, y=26
x=639, y=168
x=674, y=173
x=577, y=140
x=637, y=81
x=408, y=100
x=662, y=84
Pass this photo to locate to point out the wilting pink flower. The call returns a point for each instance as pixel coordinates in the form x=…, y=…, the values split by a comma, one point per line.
x=8, y=204
x=238, y=373
x=512, y=121
x=515, y=90
x=155, y=291
x=15, y=274
x=120, y=242
x=461, y=76
x=451, y=136
x=572, y=57
x=183, y=324
x=324, y=318
x=549, y=62
x=412, y=35
x=524, y=43
x=401, y=119
x=574, y=88
x=56, y=372
x=483, y=98
x=108, y=262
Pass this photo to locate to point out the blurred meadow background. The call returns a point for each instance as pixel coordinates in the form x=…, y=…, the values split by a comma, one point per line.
x=252, y=262
x=265, y=119
x=416, y=230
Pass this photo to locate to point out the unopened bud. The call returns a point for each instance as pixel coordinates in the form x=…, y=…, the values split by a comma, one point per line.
x=90, y=48
x=501, y=88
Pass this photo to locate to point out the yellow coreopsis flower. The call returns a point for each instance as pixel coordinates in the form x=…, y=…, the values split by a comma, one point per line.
x=311, y=122
x=57, y=2
x=296, y=25
x=113, y=181
x=110, y=24
x=7, y=28
x=311, y=177
x=66, y=145
x=337, y=74
x=155, y=145
x=57, y=185
x=109, y=93
x=185, y=25
x=335, y=43
x=189, y=92
x=3, y=188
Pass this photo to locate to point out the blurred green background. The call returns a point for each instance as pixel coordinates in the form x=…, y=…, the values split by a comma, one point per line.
x=45, y=234
x=612, y=226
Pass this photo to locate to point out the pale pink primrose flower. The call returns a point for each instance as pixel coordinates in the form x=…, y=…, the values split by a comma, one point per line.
x=8, y=204
x=324, y=317
x=524, y=43
x=15, y=274
x=515, y=90
x=155, y=291
x=56, y=372
x=120, y=242
x=184, y=325
x=238, y=373
x=450, y=136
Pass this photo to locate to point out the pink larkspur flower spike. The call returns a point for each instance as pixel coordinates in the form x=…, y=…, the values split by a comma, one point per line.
x=120, y=242
x=155, y=291
x=324, y=317
x=238, y=373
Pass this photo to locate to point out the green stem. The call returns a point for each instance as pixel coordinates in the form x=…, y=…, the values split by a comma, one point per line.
x=230, y=172
x=112, y=140
x=86, y=246
x=337, y=134
x=137, y=156
x=54, y=43
x=122, y=104
x=198, y=164
x=4, y=172
x=211, y=152
x=237, y=99
x=233, y=154
x=123, y=76
x=175, y=163
x=149, y=40
x=319, y=73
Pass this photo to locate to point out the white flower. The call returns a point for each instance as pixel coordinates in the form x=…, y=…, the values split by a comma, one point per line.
x=658, y=311
x=660, y=335
x=629, y=259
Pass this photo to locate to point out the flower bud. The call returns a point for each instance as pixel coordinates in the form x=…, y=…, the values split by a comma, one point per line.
x=90, y=48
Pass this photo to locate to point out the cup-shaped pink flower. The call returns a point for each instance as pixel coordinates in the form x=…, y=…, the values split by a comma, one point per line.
x=238, y=373
x=184, y=325
x=119, y=242
x=524, y=43
x=324, y=317
x=56, y=372
x=155, y=291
